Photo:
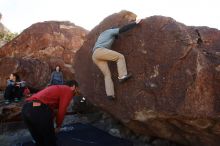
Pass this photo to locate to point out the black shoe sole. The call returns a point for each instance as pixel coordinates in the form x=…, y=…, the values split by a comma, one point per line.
x=125, y=79
x=110, y=97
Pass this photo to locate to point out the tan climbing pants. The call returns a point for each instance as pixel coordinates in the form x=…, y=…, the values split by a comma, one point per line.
x=100, y=58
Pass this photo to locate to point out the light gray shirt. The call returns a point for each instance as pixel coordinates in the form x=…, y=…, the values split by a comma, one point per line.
x=106, y=39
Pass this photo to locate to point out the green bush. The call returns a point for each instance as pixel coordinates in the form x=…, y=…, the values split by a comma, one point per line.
x=8, y=37
x=1, y=36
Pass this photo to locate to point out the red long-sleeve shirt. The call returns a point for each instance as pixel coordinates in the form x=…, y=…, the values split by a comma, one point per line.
x=56, y=97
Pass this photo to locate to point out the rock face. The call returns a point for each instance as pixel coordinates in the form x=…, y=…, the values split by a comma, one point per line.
x=34, y=71
x=51, y=43
x=174, y=93
x=10, y=113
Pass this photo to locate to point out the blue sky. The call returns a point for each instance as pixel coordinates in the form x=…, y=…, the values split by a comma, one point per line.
x=20, y=14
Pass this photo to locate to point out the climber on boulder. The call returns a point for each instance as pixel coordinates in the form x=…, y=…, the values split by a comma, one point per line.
x=102, y=53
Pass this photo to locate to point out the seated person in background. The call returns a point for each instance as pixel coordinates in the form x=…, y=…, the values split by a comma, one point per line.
x=14, y=89
x=56, y=77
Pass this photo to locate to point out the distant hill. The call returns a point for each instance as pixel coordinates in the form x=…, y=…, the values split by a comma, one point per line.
x=3, y=29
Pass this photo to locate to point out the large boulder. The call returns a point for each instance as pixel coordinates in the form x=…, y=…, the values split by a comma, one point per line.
x=51, y=42
x=174, y=93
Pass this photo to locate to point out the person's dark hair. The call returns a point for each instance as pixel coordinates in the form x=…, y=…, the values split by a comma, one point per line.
x=56, y=67
x=17, y=77
x=71, y=83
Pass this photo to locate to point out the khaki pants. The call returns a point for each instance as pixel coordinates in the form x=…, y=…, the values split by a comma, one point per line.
x=100, y=58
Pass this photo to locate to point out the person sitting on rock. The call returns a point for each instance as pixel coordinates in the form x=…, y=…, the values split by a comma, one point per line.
x=56, y=77
x=14, y=89
x=102, y=53
x=38, y=111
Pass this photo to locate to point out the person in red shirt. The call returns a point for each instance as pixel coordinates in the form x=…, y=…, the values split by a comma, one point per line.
x=38, y=111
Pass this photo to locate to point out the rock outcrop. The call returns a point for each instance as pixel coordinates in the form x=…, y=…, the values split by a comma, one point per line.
x=52, y=43
x=10, y=113
x=3, y=32
x=174, y=93
x=3, y=29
